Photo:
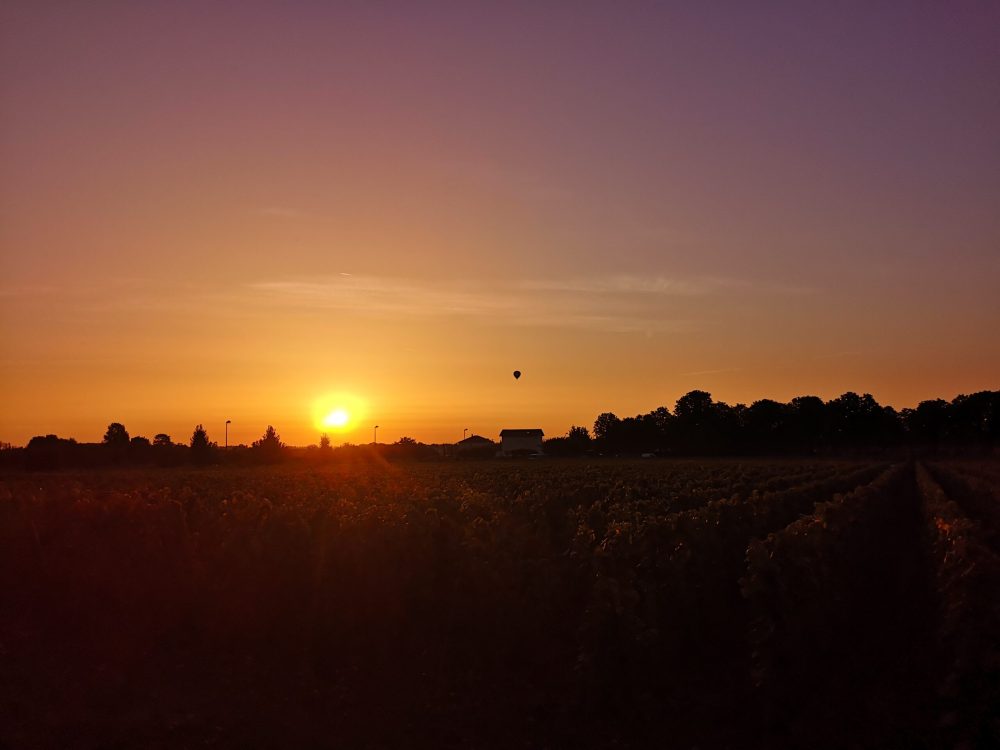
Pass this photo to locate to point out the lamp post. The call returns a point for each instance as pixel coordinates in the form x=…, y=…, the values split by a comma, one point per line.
x=375, y=435
x=463, y=432
x=227, y=432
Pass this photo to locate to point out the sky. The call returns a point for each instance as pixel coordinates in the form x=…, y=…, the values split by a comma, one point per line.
x=260, y=211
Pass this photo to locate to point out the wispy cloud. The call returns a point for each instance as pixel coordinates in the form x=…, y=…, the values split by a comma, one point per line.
x=625, y=284
x=590, y=304
x=617, y=303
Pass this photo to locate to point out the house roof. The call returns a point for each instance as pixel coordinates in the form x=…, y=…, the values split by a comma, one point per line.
x=521, y=433
x=474, y=440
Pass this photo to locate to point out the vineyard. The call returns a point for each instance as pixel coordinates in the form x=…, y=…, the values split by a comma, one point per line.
x=669, y=604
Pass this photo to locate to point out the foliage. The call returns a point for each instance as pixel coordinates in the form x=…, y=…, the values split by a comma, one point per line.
x=269, y=448
x=967, y=576
x=576, y=442
x=823, y=601
x=590, y=603
x=116, y=435
x=202, y=451
x=850, y=423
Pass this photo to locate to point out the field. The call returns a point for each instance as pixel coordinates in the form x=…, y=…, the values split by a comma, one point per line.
x=601, y=604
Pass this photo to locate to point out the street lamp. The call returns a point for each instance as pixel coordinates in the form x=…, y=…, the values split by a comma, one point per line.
x=463, y=432
x=227, y=432
x=375, y=436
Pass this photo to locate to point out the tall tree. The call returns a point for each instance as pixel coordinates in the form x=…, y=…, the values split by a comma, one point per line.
x=269, y=448
x=201, y=448
x=116, y=434
x=604, y=425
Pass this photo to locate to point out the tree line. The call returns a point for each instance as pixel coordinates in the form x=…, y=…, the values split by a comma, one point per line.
x=697, y=426
x=118, y=448
x=806, y=425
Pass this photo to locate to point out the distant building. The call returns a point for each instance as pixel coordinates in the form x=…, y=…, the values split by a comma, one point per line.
x=475, y=446
x=521, y=442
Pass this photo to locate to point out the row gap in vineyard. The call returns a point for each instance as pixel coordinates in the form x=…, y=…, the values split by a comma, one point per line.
x=966, y=582
x=843, y=631
x=977, y=497
x=667, y=626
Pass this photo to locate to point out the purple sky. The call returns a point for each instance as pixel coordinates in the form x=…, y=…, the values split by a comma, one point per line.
x=623, y=200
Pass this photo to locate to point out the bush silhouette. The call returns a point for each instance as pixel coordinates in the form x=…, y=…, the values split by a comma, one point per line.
x=269, y=449
x=202, y=451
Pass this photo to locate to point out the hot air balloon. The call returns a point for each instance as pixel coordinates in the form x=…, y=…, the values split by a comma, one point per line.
x=517, y=374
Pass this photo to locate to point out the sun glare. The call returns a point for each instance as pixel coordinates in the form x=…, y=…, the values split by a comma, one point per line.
x=338, y=412
x=337, y=418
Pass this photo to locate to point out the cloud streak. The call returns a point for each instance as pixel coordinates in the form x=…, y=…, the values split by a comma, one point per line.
x=625, y=284
x=615, y=304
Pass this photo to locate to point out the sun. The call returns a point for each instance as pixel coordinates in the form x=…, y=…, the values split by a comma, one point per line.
x=338, y=412
x=339, y=417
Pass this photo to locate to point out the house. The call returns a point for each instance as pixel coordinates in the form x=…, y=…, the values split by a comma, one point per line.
x=475, y=446
x=520, y=442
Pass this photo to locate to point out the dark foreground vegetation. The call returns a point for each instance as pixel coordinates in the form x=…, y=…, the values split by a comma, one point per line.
x=668, y=604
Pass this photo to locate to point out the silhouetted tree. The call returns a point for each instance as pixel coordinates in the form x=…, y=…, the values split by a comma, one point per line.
x=694, y=406
x=406, y=449
x=628, y=436
x=324, y=443
x=975, y=419
x=696, y=423
x=165, y=453
x=661, y=419
x=11, y=456
x=728, y=425
x=116, y=434
x=579, y=438
x=575, y=443
x=116, y=439
x=859, y=421
x=764, y=426
x=605, y=425
x=201, y=448
x=48, y=452
x=269, y=449
x=807, y=428
x=139, y=449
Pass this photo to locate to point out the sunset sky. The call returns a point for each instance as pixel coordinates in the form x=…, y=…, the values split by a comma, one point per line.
x=236, y=210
